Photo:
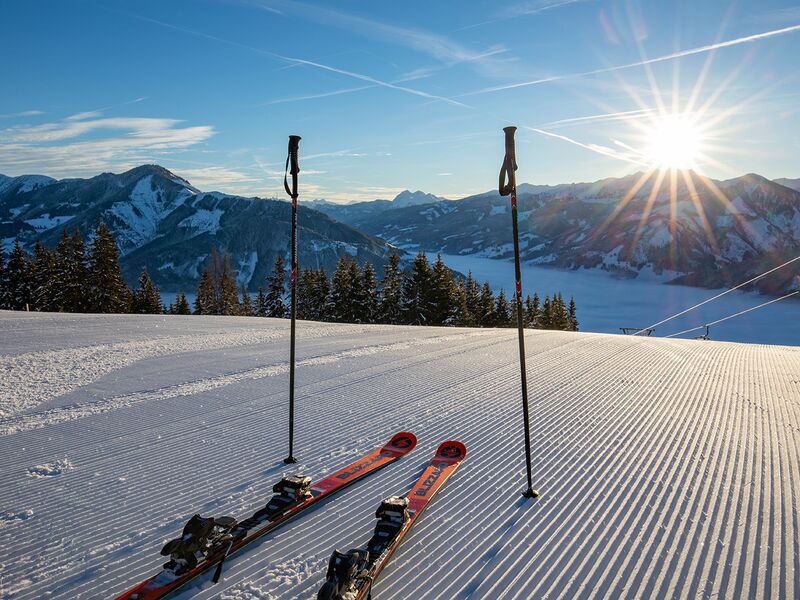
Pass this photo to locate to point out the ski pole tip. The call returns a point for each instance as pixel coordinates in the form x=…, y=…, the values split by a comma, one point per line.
x=290, y=460
x=530, y=493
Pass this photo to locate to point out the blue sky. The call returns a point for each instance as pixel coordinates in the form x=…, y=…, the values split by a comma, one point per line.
x=394, y=95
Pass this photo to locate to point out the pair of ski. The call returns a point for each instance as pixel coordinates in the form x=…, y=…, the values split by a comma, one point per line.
x=350, y=573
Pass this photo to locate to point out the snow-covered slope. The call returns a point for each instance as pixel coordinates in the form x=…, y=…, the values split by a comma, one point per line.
x=667, y=468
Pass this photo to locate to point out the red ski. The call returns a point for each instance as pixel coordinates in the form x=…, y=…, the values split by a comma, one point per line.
x=206, y=543
x=351, y=574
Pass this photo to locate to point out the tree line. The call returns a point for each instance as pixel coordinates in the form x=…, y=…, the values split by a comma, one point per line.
x=73, y=277
x=425, y=295
x=77, y=276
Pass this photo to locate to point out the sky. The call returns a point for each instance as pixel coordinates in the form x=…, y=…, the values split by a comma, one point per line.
x=390, y=96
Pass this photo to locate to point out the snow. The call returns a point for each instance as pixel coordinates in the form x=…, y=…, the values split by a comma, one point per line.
x=247, y=266
x=498, y=210
x=46, y=222
x=143, y=213
x=667, y=468
x=203, y=221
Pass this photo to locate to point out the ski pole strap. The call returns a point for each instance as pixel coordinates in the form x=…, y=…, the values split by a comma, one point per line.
x=294, y=145
x=509, y=163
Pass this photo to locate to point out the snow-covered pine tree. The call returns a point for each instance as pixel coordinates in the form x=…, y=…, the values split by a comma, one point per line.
x=182, y=305
x=206, y=301
x=71, y=274
x=18, y=278
x=573, y=315
x=417, y=304
x=391, y=292
x=442, y=293
x=107, y=290
x=276, y=289
x=146, y=297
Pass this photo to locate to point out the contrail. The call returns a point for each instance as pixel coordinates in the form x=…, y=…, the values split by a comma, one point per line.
x=593, y=147
x=650, y=61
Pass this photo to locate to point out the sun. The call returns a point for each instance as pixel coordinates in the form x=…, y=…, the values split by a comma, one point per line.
x=673, y=142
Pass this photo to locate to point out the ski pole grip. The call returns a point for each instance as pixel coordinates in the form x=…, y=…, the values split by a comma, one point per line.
x=292, y=165
x=507, y=183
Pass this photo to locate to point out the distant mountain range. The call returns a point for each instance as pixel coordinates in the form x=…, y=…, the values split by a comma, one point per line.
x=712, y=234
x=163, y=223
x=709, y=233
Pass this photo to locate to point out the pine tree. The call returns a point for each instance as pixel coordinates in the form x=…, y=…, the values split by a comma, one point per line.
x=305, y=294
x=558, y=313
x=146, y=298
x=71, y=274
x=356, y=293
x=18, y=279
x=502, y=312
x=322, y=296
x=484, y=315
x=546, y=314
x=43, y=267
x=182, y=305
x=573, y=315
x=206, y=302
x=472, y=294
x=247, y=306
x=228, y=291
x=417, y=304
x=3, y=280
x=462, y=316
x=276, y=289
x=261, y=303
x=391, y=292
x=368, y=294
x=532, y=311
x=107, y=290
x=442, y=293
x=342, y=299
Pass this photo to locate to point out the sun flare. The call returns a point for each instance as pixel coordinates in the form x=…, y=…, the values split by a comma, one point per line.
x=673, y=142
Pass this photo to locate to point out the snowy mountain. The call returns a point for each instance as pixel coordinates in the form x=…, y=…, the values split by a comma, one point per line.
x=709, y=235
x=165, y=224
x=357, y=211
x=790, y=183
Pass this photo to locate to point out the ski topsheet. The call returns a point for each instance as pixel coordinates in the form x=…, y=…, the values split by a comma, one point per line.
x=351, y=574
x=272, y=516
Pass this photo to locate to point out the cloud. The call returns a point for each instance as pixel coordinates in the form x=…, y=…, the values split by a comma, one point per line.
x=210, y=177
x=523, y=9
x=25, y=113
x=76, y=147
x=650, y=61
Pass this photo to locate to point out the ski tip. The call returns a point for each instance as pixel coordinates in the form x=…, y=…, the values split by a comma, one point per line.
x=451, y=451
x=402, y=442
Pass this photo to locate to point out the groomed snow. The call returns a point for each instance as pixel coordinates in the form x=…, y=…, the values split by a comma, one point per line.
x=667, y=468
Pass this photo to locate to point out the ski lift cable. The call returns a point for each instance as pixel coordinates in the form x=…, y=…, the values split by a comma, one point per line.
x=699, y=304
x=741, y=312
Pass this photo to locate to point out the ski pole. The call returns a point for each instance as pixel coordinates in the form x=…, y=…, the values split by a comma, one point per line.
x=508, y=185
x=294, y=146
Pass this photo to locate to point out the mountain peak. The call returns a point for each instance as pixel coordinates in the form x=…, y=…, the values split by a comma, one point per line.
x=158, y=171
x=409, y=198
